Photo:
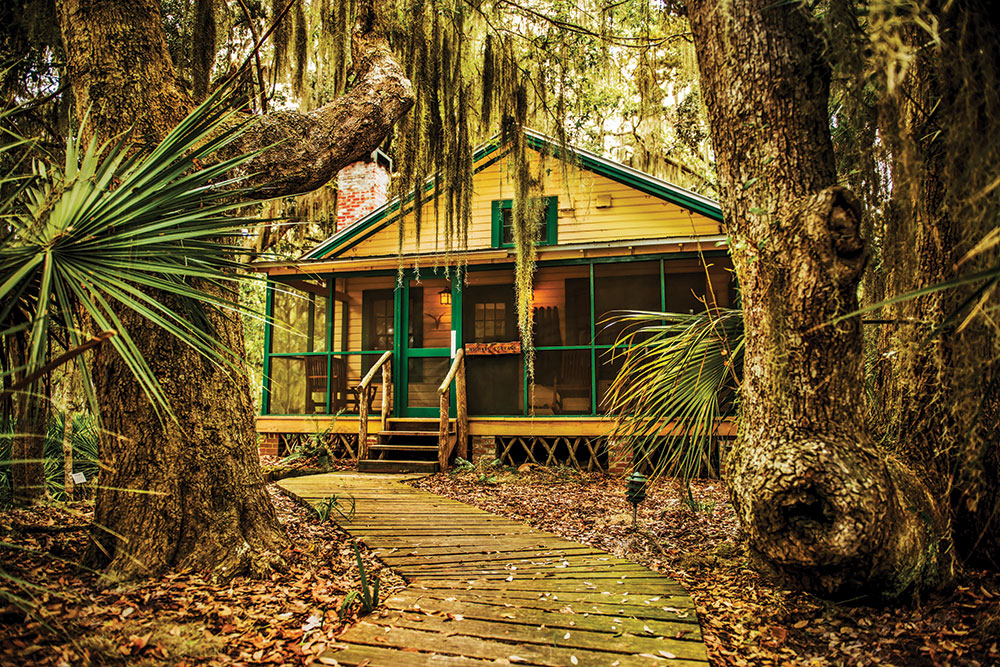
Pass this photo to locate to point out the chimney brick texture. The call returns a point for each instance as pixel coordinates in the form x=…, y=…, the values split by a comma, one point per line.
x=361, y=188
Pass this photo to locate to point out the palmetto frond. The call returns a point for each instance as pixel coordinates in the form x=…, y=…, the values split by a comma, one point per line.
x=113, y=227
x=679, y=379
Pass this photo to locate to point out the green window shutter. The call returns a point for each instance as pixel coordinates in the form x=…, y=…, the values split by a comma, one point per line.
x=550, y=233
x=497, y=222
x=551, y=221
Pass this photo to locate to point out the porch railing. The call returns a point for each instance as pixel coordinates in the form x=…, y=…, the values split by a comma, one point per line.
x=366, y=394
x=445, y=444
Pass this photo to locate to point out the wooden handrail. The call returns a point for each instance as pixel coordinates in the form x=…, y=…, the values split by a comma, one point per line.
x=445, y=444
x=450, y=377
x=365, y=395
x=374, y=369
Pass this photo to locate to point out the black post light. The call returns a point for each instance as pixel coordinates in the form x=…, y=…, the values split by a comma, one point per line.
x=635, y=492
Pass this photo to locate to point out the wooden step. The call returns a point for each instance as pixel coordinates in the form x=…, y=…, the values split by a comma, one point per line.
x=410, y=424
x=370, y=465
x=404, y=448
x=411, y=434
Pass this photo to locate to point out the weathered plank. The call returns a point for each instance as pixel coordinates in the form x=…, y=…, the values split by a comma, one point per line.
x=550, y=618
x=515, y=652
x=353, y=656
x=573, y=638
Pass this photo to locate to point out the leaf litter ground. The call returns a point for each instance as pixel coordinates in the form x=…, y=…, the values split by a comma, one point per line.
x=179, y=619
x=747, y=619
x=291, y=618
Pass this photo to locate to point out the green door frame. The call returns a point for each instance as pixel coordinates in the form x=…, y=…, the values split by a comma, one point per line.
x=403, y=353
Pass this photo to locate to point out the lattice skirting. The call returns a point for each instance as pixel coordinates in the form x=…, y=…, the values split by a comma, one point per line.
x=582, y=453
x=338, y=445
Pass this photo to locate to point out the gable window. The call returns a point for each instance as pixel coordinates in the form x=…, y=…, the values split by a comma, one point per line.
x=503, y=223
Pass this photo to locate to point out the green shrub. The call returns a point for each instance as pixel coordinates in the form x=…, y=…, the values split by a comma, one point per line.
x=85, y=443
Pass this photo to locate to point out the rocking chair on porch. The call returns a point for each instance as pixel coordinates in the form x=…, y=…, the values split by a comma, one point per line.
x=342, y=397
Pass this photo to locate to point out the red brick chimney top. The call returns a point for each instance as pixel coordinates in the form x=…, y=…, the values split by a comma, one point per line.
x=362, y=187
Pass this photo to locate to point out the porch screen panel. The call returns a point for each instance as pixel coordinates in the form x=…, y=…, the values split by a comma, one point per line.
x=609, y=364
x=565, y=389
x=298, y=385
x=561, y=315
x=494, y=383
x=623, y=286
x=562, y=306
x=300, y=312
x=686, y=289
x=363, y=330
x=430, y=320
x=684, y=292
x=424, y=376
x=298, y=361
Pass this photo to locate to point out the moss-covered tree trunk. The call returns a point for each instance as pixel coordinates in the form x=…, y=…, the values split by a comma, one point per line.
x=190, y=493
x=819, y=503
x=939, y=383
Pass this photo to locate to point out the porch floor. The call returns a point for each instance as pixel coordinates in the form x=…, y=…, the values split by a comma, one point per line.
x=483, y=589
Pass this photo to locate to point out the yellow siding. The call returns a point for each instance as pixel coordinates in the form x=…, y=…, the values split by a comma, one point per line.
x=632, y=215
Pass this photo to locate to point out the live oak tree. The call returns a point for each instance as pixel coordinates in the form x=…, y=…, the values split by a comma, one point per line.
x=830, y=499
x=189, y=492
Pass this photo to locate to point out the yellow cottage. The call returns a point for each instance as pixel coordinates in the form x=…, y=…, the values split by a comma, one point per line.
x=406, y=375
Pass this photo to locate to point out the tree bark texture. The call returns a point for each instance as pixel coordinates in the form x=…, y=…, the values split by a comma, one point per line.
x=941, y=387
x=819, y=503
x=27, y=448
x=31, y=409
x=190, y=493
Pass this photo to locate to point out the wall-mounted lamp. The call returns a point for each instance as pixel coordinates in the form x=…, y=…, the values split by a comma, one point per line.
x=444, y=296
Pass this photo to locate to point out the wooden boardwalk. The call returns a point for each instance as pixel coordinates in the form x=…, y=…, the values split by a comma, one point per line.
x=483, y=589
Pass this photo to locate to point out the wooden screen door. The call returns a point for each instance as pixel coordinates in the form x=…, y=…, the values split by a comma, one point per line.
x=426, y=346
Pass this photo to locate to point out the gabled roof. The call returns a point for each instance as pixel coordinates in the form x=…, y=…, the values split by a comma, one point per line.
x=487, y=154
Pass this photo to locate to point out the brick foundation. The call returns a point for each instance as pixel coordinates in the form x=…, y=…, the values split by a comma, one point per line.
x=361, y=188
x=619, y=458
x=483, y=446
x=269, y=445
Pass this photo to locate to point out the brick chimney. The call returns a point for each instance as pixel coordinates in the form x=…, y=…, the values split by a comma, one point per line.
x=362, y=187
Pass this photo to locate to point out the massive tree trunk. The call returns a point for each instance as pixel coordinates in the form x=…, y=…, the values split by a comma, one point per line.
x=819, y=503
x=189, y=493
x=941, y=384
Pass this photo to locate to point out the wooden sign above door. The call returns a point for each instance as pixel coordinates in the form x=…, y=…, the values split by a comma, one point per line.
x=512, y=347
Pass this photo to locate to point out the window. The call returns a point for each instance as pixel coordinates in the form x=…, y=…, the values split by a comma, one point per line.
x=503, y=223
x=490, y=321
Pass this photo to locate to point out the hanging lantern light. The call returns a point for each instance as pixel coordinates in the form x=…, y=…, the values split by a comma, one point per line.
x=635, y=492
x=444, y=297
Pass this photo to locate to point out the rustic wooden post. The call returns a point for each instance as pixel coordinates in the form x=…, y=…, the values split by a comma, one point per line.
x=462, y=406
x=363, y=423
x=443, y=449
x=366, y=394
x=386, y=392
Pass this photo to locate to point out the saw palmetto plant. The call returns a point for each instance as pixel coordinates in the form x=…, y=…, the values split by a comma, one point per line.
x=678, y=382
x=114, y=227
